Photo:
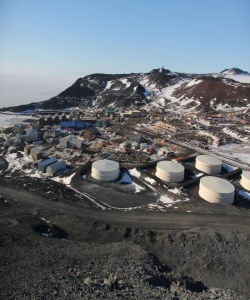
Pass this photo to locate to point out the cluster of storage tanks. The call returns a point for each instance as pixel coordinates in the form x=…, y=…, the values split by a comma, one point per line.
x=211, y=188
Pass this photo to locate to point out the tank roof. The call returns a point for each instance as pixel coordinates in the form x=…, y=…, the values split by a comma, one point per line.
x=105, y=165
x=170, y=167
x=208, y=160
x=217, y=185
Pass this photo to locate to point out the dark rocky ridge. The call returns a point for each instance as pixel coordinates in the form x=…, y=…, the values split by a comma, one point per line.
x=125, y=89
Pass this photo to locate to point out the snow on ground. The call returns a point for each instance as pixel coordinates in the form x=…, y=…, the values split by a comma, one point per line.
x=13, y=119
x=226, y=107
x=168, y=91
x=235, y=134
x=167, y=200
x=240, y=78
x=18, y=162
x=126, y=82
x=4, y=119
x=65, y=180
x=175, y=191
x=242, y=153
x=163, y=93
x=109, y=83
x=193, y=82
x=151, y=180
x=138, y=188
x=160, y=101
x=134, y=172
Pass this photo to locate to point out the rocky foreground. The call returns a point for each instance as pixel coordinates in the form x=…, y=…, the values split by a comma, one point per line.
x=44, y=255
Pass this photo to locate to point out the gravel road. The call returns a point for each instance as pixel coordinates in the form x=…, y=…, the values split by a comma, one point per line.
x=139, y=219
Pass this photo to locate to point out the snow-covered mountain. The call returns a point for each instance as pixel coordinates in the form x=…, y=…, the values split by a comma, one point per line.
x=234, y=71
x=159, y=87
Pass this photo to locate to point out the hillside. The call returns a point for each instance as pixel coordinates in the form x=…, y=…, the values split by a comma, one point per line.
x=161, y=87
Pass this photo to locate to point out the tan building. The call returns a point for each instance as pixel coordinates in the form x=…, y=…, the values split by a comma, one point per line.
x=36, y=154
x=26, y=150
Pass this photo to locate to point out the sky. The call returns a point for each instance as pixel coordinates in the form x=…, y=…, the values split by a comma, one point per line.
x=45, y=46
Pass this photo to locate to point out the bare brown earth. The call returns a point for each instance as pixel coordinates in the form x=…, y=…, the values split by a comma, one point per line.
x=226, y=91
x=89, y=253
x=160, y=79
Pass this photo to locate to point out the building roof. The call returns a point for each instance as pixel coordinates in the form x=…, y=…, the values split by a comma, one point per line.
x=48, y=161
x=67, y=124
x=35, y=150
x=137, y=137
x=58, y=165
x=69, y=137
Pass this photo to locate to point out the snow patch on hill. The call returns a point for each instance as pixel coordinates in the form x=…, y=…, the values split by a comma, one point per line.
x=193, y=82
x=126, y=82
x=109, y=83
x=239, y=78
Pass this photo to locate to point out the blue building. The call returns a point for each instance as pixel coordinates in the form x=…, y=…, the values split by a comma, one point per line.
x=75, y=125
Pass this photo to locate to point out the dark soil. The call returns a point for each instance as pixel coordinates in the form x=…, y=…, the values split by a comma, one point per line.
x=92, y=260
x=48, y=255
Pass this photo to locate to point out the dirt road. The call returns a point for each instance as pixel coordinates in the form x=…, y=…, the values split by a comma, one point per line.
x=139, y=219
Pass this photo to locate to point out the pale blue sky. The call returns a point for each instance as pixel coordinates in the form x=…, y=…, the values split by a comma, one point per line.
x=61, y=39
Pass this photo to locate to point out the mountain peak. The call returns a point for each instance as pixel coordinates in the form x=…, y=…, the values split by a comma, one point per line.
x=234, y=71
x=160, y=70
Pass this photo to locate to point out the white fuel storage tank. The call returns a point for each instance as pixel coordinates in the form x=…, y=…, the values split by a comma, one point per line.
x=208, y=164
x=245, y=180
x=216, y=190
x=105, y=170
x=170, y=171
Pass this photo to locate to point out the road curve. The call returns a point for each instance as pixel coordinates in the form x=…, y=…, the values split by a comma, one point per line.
x=138, y=219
